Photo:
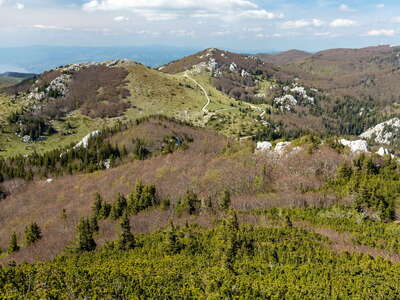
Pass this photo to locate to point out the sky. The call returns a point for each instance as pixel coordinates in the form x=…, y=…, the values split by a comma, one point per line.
x=244, y=25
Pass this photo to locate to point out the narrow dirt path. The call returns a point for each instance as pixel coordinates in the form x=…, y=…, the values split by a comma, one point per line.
x=205, y=107
x=343, y=242
x=207, y=112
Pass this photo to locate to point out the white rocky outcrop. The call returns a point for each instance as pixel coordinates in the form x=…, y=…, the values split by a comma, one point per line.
x=382, y=151
x=26, y=139
x=244, y=73
x=286, y=102
x=294, y=95
x=107, y=164
x=263, y=146
x=85, y=141
x=212, y=64
x=60, y=84
x=281, y=147
x=301, y=91
x=355, y=146
x=384, y=133
x=233, y=67
x=35, y=95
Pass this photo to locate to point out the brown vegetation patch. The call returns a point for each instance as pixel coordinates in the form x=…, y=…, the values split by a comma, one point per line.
x=367, y=73
x=211, y=164
x=97, y=90
x=342, y=241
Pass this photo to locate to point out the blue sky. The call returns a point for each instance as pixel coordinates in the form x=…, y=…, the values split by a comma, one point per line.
x=246, y=25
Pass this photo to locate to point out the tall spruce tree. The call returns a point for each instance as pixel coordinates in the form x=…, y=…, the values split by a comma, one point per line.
x=85, y=236
x=97, y=206
x=126, y=240
x=119, y=207
x=13, y=244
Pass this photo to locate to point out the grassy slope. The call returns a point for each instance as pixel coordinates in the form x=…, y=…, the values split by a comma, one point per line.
x=152, y=92
x=8, y=81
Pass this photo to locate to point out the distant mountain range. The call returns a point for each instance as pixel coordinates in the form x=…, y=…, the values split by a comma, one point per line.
x=17, y=75
x=370, y=73
x=37, y=59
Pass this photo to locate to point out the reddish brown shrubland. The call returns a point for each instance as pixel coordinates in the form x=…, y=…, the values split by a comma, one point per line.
x=255, y=181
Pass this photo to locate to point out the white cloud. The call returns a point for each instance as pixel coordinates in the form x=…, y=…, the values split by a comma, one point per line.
x=221, y=33
x=322, y=34
x=12, y=3
x=264, y=35
x=174, y=9
x=342, y=23
x=182, y=33
x=302, y=23
x=346, y=8
x=295, y=24
x=317, y=22
x=51, y=27
x=381, y=32
x=381, y=5
x=148, y=33
x=253, y=29
x=121, y=19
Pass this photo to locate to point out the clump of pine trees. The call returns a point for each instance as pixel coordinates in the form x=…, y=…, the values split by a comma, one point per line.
x=33, y=234
x=372, y=181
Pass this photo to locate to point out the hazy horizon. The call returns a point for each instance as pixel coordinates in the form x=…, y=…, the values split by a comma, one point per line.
x=44, y=57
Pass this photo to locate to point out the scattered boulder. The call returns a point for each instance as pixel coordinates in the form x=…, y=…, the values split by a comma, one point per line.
x=107, y=164
x=233, y=67
x=382, y=151
x=281, y=147
x=26, y=139
x=263, y=146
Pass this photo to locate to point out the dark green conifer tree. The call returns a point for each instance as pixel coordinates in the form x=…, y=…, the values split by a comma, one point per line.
x=13, y=244
x=97, y=206
x=172, y=241
x=190, y=203
x=94, y=225
x=85, y=238
x=225, y=200
x=126, y=240
x=119, y=207
x=32, y=234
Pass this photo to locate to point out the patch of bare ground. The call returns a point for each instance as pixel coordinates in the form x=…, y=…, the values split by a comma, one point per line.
x=342, y=241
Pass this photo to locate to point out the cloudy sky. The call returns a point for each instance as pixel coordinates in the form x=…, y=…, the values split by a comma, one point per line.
x=231, y=24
